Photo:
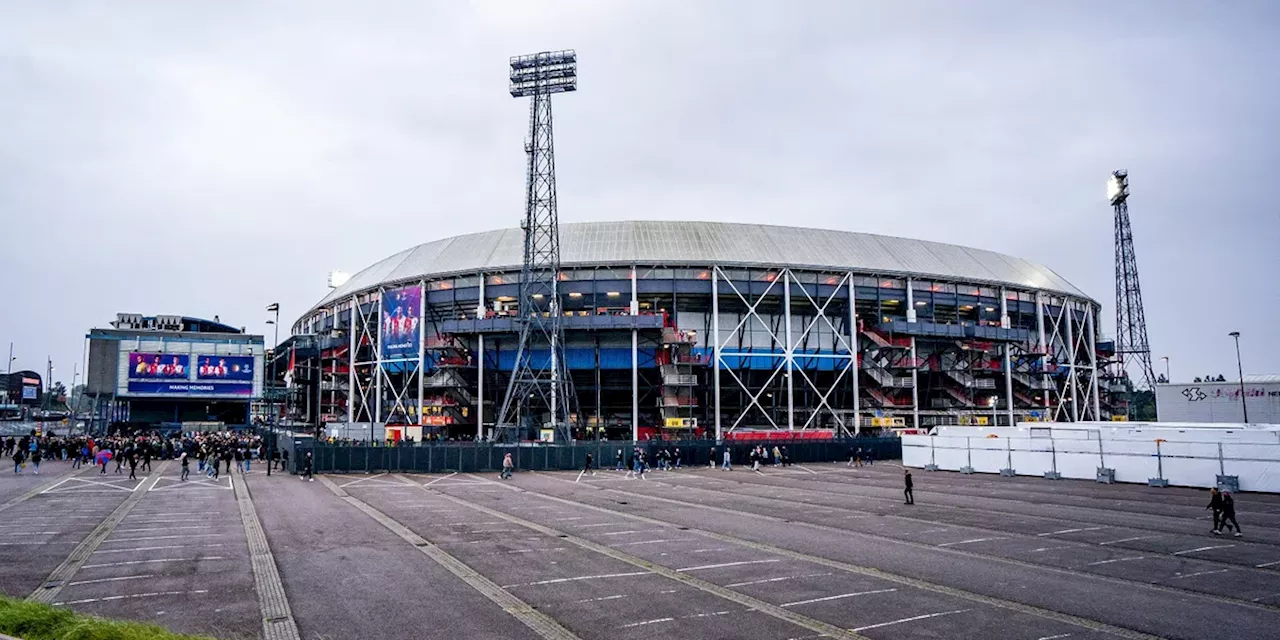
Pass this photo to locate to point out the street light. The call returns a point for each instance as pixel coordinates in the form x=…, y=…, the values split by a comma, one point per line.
x=1167, y=377
x=271, y=403
x=1239, y=367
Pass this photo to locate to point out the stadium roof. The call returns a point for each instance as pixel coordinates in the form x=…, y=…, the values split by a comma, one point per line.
x=706, y=243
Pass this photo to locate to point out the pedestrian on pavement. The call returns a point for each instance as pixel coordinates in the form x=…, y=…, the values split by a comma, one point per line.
x=284, y=460
x=186, y=466
x=35, y=461
x=851, y=457
x=711, y=460
x=728, y=466
x=508, y=465
x=906, y=478
x=586, y=468
x=146, y=458
x=19, y=457
x=618, y=459
x=133, y=466
x=306, y=469
x=1229, y=514
x=676, y=456
x=1215, y=504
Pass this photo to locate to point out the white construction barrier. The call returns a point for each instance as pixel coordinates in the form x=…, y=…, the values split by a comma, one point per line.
x=1183, y=455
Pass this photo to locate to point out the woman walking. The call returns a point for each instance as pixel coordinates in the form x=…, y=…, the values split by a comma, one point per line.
x=507, y=466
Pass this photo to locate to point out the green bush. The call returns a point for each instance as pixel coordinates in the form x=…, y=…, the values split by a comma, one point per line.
x=33, y=621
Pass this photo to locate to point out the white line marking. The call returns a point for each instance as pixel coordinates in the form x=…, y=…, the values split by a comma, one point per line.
x=710, y=550
x=599, y=599
x=134, y=595
x=728, y=564
x=427, y=484
x=1057, y=637
x=843, y=595
x=133, y=562
x=640, y=624
x=148, y=575
x=625, y=544
x=1065, y=546
x=600, y=524
x=911, y=619
x=1054, y=533
x=800, y=466
x=36, y=533
x=185, y=535
x=949, y=544
x=764, y=580
x=631, y=531
x=160, y=528
x=1094, y=564
x=536, y=550
x=1266, y=564
x=493, y=530
x=561, y=580
x=1216, y=546
x=1130, y=539
x=1199, y=573
x=173, y=546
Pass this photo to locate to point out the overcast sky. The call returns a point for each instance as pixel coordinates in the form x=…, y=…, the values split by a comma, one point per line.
x=209, y=158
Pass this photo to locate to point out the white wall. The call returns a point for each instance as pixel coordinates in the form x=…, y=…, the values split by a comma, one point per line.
x=1218, y=402
x=1187, y=456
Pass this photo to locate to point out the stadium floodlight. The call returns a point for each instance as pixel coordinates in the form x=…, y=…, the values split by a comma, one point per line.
x=544, y=73
x=1118, y=186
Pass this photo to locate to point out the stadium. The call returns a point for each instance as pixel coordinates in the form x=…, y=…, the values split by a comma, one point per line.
x=705, y=329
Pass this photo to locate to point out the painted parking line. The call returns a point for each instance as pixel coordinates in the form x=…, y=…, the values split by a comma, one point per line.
x=626, y=574
x=636, y=544
x=727, y=564
x=1199, y=549
x=911, y=619
x=1113, y=560
x=952, y=544
x=1055, y=533
x=427, y=484
x=780, y=579
x=172, y=546
x=837, y=597
x=1199, y=573
x=600, y=599
x=1122, y=540
x=155, y=594
x=136, y=562
x=1266, y=564
x=147, y=575
x=185, y=535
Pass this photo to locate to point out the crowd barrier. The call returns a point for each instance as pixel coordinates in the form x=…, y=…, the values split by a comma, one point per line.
x=468, y=457
x=1245, y=466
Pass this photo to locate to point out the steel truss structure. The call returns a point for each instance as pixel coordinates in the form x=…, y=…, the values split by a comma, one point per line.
x=1131, y=346
x=540, y=392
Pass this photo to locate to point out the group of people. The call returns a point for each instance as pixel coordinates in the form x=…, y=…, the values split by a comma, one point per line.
x=858, y=457
x=215, y=452
x=1224, y=512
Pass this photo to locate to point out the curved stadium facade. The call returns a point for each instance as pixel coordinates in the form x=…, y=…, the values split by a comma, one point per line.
x=710, y=327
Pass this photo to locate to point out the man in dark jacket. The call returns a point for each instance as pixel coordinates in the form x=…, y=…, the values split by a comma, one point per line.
x=906, y=478
x=1215, y=504
x=1229, y=514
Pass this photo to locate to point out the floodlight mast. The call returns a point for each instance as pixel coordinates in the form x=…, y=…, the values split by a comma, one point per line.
x=539, y=387
x=1131, y=321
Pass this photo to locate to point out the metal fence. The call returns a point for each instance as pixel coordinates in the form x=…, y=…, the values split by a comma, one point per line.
x=468, y=457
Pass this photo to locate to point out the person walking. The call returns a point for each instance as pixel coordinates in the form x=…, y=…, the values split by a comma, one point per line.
x=133, y=466
x=35, y=461
x=508, y=467
x=676, y=456
x=908, y=486
x=186, y=467
x=711, y=459
x=618, y=459
x=146, y=457
x=19, y=457
x=306, y=469
x=851, y=457
x=1229, y=515
x=1215, y=504
x=284, y=460
x=728, y=465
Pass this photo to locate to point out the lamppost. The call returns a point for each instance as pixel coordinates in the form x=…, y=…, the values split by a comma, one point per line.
x=1167, y=377
x=8, y=384
x=271, y=402
x=1240, y=368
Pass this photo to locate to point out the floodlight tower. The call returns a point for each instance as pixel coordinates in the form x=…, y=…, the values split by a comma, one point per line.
x=1131, y=321
x=540, y=387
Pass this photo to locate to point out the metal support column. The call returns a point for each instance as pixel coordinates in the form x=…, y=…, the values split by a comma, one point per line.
x=855, y=351
x=715, y=344
x=635, y=363
x=1008, y=362
x=1044, y=352
x=1069, y=308
x=1093, y=365
x=422, y=344
x=915, y=371
x=377, y=378
x=351, y=367
x=480, y=387
x=787, y=355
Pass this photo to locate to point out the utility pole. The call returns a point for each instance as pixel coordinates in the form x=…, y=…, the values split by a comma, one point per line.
x=538, y=387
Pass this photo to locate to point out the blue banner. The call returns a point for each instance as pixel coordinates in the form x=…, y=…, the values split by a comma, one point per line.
x=191, y=388
x=400, y=323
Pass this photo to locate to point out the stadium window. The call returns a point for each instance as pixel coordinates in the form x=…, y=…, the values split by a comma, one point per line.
x=659, y=274
x=463, y=282
x=921, y=285
x=967, y=290
x=439, y=285
x=690, y=274
x=501, y=278
x=612, y=274
x=890, y=283
x=987, y=292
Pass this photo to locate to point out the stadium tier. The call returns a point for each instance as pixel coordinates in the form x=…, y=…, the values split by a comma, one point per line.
x=705, y=329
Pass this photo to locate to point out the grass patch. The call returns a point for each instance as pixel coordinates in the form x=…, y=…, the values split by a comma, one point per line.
x=34, y=621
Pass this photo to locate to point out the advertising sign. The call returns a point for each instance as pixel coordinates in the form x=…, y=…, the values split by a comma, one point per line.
x=400, y=323
x=184, y=388
x=158, y=366
x=28, y=393
x=224, y=368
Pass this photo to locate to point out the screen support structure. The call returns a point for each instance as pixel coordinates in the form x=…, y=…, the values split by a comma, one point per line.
x=540, y=393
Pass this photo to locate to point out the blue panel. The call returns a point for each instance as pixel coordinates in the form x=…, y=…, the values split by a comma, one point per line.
x=696, y=286
x=494, y=290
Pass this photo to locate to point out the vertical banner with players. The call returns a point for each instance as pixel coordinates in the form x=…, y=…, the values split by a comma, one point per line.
x=401, y=323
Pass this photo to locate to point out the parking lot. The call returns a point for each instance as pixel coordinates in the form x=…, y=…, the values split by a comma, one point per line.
x=809, y=551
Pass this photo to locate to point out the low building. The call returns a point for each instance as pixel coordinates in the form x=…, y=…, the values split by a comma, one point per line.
x=1220, y=401
x=173, y=372
x=20, y=393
